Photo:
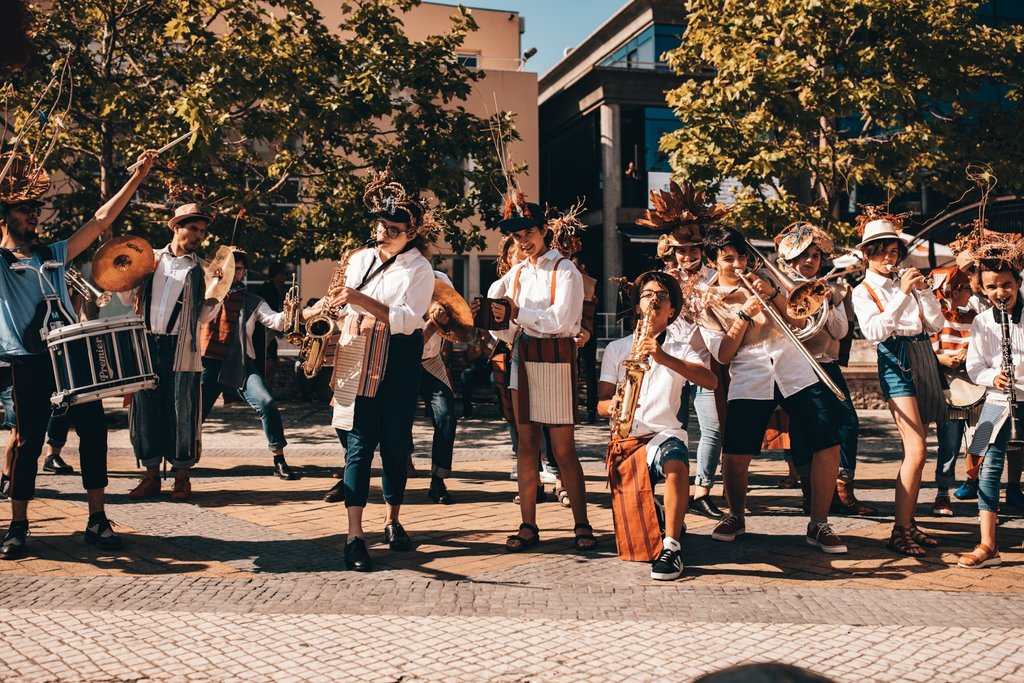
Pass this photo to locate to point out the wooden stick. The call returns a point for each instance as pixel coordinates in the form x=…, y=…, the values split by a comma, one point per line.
x=172, y=143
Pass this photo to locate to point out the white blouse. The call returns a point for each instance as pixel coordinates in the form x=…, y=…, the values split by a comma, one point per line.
x=903, y=314
x=538, y=315
x=985, y=353
x=405, y=287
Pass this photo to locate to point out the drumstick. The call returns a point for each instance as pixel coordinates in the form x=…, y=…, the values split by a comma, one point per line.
x=172, y=143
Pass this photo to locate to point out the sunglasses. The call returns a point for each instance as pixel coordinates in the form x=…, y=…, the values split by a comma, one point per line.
x=650, y=294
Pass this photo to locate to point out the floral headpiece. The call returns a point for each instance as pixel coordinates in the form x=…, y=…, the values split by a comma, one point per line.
x=682, y=211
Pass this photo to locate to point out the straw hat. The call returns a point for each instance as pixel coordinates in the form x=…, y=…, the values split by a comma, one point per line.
x=189, y=211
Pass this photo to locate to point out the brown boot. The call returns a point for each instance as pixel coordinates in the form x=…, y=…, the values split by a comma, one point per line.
x=845, y=501
x=149, y=487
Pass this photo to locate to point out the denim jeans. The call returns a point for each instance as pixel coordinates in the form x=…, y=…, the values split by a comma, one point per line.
x=991, y=475
x=440, y=402
x=255, y=393
x=951, y=438
x=847, y=424
x=386, y=419
x=670, y=449
x=709, y=449
x=7, y=400
x=165, y=420
x=57, y=430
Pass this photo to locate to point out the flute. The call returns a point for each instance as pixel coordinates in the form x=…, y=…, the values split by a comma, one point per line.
x=899, y=273
x=172, y=143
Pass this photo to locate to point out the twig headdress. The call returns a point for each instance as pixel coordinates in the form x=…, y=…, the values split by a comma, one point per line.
x=683, y=212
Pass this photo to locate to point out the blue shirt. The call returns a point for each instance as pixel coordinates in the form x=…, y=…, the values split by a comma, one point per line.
x=21, y=293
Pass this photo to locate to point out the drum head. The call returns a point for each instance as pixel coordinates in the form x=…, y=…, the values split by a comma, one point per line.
x=963, y=394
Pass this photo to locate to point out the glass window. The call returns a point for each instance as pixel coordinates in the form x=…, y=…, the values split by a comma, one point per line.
x=657, y=122
x=488, y=273
x=470, y=60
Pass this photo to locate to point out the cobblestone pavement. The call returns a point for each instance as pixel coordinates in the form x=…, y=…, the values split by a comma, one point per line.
x=246, y=581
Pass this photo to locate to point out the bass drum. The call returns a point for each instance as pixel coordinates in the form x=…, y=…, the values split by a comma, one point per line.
x=964, y=399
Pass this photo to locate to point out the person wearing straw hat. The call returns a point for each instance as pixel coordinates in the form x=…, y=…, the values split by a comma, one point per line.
x=22, y=344
x=229, y=360
x=897, y=311
x=802, y=250
x=166, y=421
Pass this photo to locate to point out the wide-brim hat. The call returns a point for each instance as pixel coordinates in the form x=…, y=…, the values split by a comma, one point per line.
x=797, y=238
x=189, y=211
x=879, y=230
x=523, y=219
x=669, y=282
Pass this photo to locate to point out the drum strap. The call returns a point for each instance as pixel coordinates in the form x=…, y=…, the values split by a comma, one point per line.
x=45, y=253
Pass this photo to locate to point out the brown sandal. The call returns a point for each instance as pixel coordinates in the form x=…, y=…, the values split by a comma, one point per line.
x=903, y=542
x=981, y=556
x=921, y=538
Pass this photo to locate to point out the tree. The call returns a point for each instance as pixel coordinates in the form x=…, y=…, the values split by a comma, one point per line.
x=799, y=100
x=278, y=99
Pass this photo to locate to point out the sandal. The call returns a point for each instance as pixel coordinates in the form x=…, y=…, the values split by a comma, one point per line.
x=561, y=495
x=921, y=538
x=542, y=496
x=517, y=543
x=981, y=556
x=903, y=542
x=789, y=482
x=585, y=541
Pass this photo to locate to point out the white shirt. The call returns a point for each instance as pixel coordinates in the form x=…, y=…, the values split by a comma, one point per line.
x=497, y=290
x=432, y=347
x=538, y=315
x=660, y=392
x=756, y=369
x=902, y=314
x=168, y=282
x=405, y=287
x=266, y=316
x=985, y=353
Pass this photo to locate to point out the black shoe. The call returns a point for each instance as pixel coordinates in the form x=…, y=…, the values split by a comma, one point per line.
x=5, y=487
x=668, y=566
x=55, y=465
x=13, y=545
x=705, y=506
x=439, y=492
x=282, y=470
x=336, y=494
x=99, y=533
x=356, y=556
x=396, y=537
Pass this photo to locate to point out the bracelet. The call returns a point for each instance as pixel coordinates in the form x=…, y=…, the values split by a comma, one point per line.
x=744, y=316
x=774, y=293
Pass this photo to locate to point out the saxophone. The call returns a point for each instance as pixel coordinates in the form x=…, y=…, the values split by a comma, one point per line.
x=628, y=390
x=293, y=315
x=1006, y=367
x=319, y=328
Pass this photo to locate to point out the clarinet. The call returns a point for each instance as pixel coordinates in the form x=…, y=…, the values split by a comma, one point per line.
x=1015, y=417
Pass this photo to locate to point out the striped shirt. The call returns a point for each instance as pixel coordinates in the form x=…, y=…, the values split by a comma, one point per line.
x=956, y=331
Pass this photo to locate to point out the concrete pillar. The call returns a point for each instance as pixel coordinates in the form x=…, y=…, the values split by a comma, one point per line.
x=611, y=167
x=473, y=275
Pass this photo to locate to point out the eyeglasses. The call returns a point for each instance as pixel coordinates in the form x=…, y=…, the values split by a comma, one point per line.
x=650, y=294
x=391, y=231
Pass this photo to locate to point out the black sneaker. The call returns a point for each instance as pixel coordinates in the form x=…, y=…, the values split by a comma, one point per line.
x=439, y=491
x=668, y=566
x=396, y=537
x=98, y=532
x=282, y=470
x=13, y=545
x=336, y=494
x=706, y=506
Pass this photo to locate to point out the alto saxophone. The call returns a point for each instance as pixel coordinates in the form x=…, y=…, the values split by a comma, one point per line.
x=293, y=315
x=319, y=328
x=628, y=390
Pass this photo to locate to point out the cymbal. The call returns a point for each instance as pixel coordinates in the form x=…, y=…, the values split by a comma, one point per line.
x=219, y=273
x=460, y=317
x=122, y=263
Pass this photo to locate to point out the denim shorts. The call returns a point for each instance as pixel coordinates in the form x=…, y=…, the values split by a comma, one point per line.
x=894, y=375
x=669, y=449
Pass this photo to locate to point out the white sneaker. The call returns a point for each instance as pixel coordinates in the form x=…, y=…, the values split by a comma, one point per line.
x=547, y=475
x=515, y=472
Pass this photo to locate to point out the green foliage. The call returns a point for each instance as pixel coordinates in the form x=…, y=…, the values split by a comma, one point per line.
x=276, y=95
x=800, y=99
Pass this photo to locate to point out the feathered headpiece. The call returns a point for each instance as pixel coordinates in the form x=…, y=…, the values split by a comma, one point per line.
x=991, y=247
x=565, y=226
x=683, y=212
x=796, y=237
x=385, y=197
x=23, y=180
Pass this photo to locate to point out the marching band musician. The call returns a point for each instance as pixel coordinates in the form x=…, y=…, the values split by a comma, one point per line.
x=897, y=311
x=21, y=318
x=999, y=268
x=656, y=448
x=683, y=212
x=765, y=371
x=229, y=360
x=386, y=293
x=166, y=421
x=802, y=248
x=545, y=294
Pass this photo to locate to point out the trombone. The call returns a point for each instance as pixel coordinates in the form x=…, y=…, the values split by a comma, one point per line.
x=806, y=300
x=784, y=326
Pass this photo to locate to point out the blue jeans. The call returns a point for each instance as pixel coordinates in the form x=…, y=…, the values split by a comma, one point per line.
x=164, y=420
x=440, y=402
x=991, y=475
x=951, y=438
x=709, y=449
x=7, y=396
x=670, y=449
x=255, y=393
x=386, y=419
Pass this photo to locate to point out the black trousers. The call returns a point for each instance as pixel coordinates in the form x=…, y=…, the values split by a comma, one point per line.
x=33, y=386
